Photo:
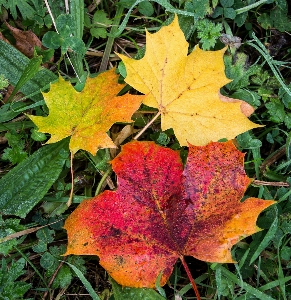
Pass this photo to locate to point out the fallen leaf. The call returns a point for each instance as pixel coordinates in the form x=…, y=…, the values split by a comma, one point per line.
x=121, y=136
x=160, y=212
x=86, y=116
x=185, y=88
x=25, y=40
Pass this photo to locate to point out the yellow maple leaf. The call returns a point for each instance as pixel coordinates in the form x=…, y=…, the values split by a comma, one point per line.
x=185, y=89
x=86, y=116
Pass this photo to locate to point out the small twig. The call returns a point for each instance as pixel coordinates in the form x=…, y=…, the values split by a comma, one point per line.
x=147, y=126
x=72, y=177
x=272, y=183
x=145, y=112
x=53, y=277
x=67, y=6
x=24, y=232
x=110, y=183
x=33, y=267
x=273, y=158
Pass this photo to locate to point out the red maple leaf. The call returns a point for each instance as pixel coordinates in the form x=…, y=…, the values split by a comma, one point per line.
x=160, y=213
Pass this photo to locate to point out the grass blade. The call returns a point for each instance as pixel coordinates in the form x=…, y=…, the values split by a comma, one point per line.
x=248, y=288
x=85, y=282
x=266, y=240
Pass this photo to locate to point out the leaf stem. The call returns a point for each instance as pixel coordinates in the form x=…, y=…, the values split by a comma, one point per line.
x=147, y=126
x=72, y=176
x=190, y=277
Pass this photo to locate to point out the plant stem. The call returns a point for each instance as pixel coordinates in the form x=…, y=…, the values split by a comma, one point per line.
x=148, y=124
x=249, y=7
x=105, y=175
x=190, y=277
x=72, y=176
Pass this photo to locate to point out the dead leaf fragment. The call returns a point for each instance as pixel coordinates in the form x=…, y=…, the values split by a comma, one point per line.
x=120, y=137
x=2, y=37
x=25, y=40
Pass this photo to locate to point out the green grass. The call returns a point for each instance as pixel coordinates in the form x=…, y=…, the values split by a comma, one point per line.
x=35, y=179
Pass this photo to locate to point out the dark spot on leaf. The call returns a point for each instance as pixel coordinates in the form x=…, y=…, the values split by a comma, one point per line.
x=115, y=232
x=119, y=260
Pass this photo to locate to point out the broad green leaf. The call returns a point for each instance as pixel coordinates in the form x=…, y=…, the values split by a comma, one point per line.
x=265, y=21
x=15, y=152
x=226, y=3
x=229, y=12
x=47, y=260
x=238, y=71
x=30, y=70
x=73, y=43
x=98, y=32
x=26, y=184
x=65, y=25
x=99, y=24
x=9, y=111
x=77, y=13
x=248, y=96
x=16, y=125
x=13, y=64
x=280, y=19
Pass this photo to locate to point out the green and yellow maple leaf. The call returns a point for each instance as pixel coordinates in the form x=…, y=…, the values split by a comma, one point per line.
x=185, y=88
x=86, y=116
